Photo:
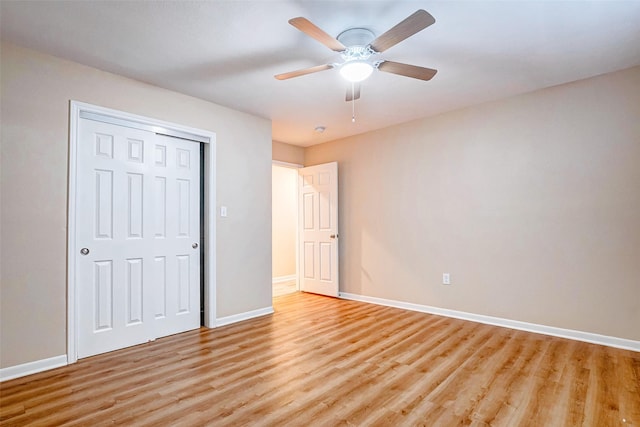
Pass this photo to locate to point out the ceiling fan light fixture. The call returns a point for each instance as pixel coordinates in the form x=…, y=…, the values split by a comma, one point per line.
x=356, y=71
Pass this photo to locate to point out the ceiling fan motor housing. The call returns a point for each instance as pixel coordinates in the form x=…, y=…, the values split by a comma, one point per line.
x=357, y=42
x=356, y=37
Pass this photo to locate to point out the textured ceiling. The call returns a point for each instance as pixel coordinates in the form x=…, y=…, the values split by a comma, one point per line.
x=227, y=52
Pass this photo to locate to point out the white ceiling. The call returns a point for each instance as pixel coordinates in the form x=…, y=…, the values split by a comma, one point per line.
x=227, y=52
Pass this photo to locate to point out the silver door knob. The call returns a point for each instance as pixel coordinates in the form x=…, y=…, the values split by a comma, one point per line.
x=333, y=236
x=194, y=246
x=84, y=251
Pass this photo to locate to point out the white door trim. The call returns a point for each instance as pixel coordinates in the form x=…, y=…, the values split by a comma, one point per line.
x=287, y=164
x=76, y=108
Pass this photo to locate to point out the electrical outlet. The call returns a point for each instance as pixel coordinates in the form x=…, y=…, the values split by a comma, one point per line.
x=446, y=279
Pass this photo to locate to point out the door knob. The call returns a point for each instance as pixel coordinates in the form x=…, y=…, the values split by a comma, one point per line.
x=84, y=251
x=194, y=246
x=333, y=236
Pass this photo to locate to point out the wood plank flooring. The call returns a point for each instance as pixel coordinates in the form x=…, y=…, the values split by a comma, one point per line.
x=327, y=362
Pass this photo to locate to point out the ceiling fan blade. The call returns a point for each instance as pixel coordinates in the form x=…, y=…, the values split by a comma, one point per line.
x=310, y=29
x=304, y=71
x=415, y=23
x=407, y=70
x=353, y=92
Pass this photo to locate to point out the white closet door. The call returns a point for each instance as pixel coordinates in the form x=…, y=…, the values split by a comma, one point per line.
x=136, y=272
x=176, y=230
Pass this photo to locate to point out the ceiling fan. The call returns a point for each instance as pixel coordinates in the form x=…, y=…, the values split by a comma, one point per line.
x=359, y=48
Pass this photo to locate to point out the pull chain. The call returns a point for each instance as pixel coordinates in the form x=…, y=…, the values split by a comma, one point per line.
x=353, y=103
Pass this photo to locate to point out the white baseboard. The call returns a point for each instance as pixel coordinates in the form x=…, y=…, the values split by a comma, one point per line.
x=32, y=367
x=221, y=321
x=506, y=323
x=282, y=279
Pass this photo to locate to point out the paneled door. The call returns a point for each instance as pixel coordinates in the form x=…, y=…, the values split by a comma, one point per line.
x=138, y=236
x=318, y=222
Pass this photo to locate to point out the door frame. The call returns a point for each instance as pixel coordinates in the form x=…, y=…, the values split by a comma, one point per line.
x=295, y=166
x=208, y=138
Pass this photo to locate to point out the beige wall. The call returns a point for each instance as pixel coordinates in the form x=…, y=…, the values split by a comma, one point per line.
x=287, y=153
x=36, y=90
x=532, y=204
x=284, y=220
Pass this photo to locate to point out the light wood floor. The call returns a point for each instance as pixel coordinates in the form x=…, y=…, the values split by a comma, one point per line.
x=327, y=362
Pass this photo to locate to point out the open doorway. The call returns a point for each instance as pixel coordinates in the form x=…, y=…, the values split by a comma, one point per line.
x=284, y=228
